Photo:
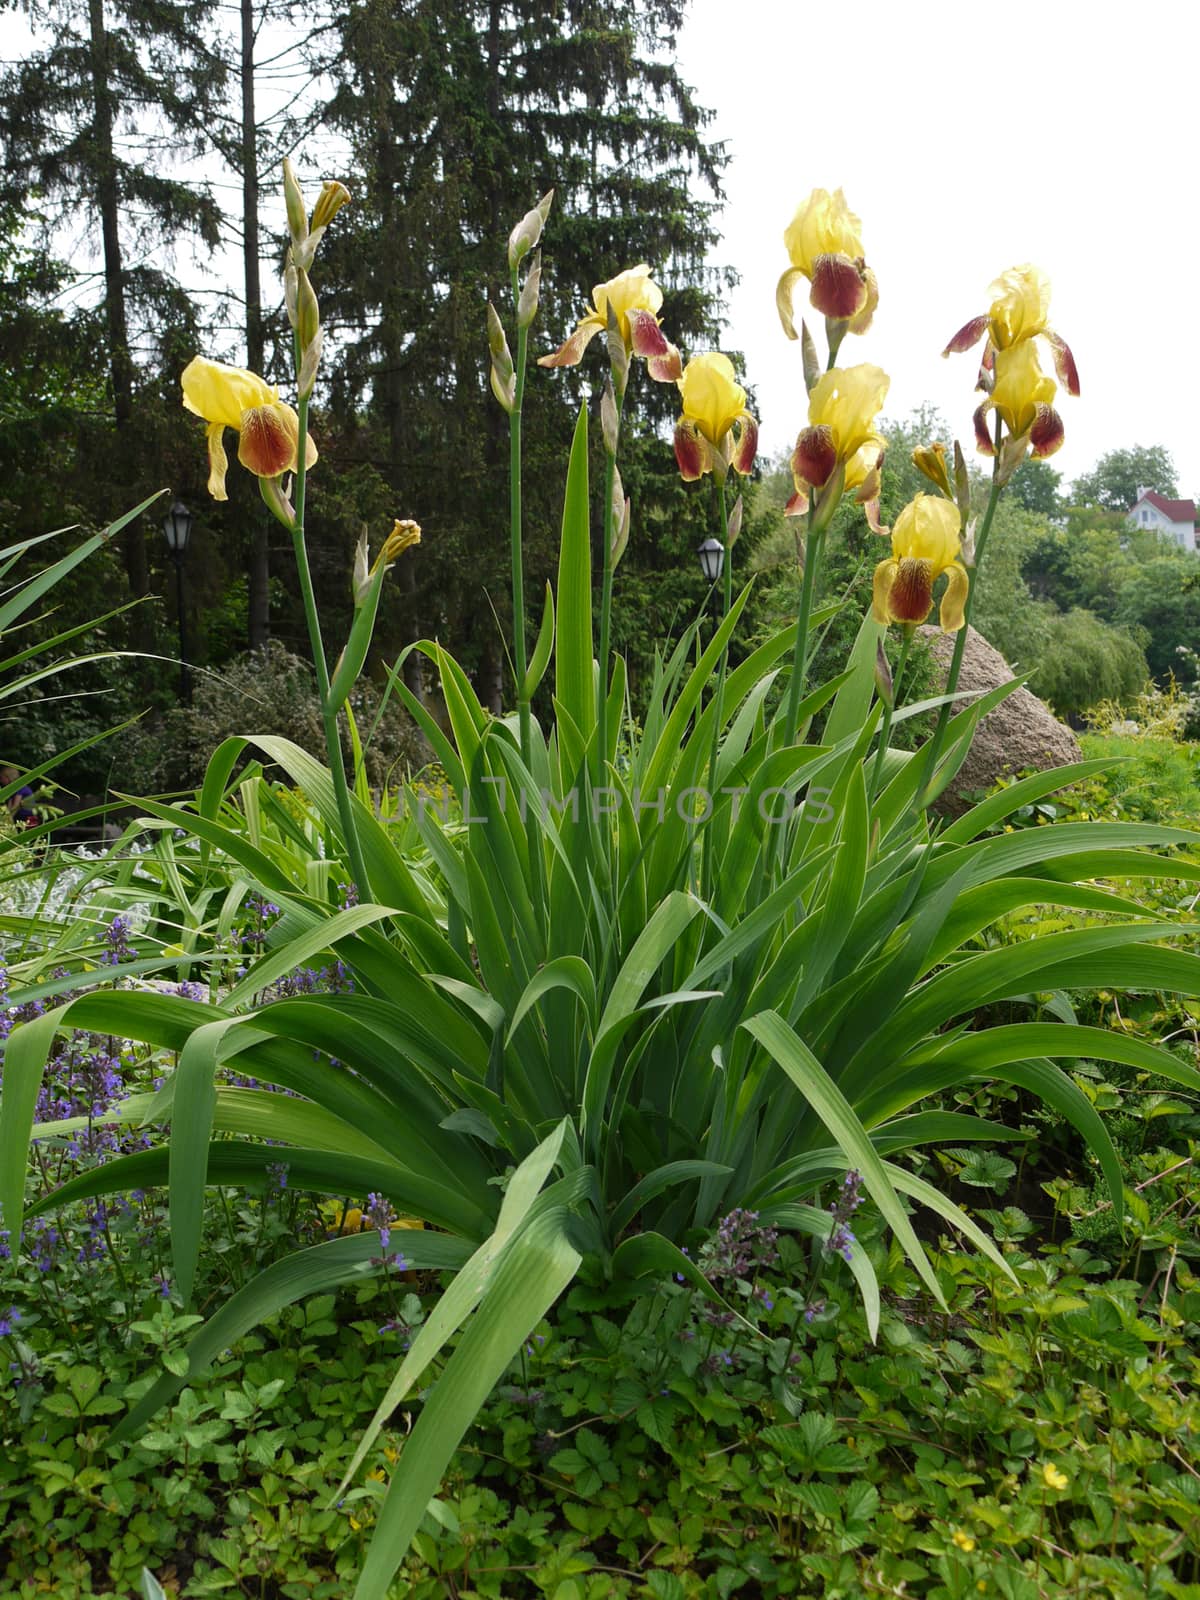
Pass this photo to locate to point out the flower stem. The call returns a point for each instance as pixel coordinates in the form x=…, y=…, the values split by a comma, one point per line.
x=812, y=557
x=960, y=642
x=606, y=590
x=333, y=745
x=514, y=518
x=719, y=694
x=885, y=731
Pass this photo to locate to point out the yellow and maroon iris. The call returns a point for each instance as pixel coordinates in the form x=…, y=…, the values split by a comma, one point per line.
x=268, y=430
x=715, y=431
x=635, y=300
x=842, y=412
x=1019, y=312
x=925, y=543
x=1021, y=395
x=824, y=244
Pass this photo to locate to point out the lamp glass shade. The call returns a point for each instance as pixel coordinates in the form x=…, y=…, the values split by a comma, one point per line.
x=712, y=559
x=177, y=525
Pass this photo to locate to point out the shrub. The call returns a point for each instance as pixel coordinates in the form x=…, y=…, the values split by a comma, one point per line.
x=270, y=690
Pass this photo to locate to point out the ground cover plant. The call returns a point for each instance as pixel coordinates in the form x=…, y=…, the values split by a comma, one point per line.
x=639, y=996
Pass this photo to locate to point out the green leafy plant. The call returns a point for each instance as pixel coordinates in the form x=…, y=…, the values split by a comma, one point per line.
x=635, y=979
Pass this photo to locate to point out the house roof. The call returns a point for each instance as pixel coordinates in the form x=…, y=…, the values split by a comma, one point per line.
x=1176, y=510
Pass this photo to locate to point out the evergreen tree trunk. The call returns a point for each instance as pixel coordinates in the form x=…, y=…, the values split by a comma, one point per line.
x=258, y=575
x=120, y=363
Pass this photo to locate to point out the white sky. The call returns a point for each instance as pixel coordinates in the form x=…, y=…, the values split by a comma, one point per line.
x=968, y=137
x=971, y=137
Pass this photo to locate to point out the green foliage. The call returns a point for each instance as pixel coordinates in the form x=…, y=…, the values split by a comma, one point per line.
x=1114, y=481
x=617, y=1018
x=273, y=690
x=637, y=1440
x=1083, y=661
x=1036, y=487
x=1162, y=597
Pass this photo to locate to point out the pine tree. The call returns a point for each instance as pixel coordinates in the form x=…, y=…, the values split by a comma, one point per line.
x=458, y=117
x=79, y=120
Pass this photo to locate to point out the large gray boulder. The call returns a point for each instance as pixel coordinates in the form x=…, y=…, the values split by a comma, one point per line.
x=1020, y=734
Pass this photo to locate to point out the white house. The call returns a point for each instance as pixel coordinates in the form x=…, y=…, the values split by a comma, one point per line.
x=1176, y=518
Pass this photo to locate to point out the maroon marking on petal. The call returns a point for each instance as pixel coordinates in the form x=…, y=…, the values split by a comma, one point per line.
x=267, y=446
x=745, y=444
x=691, y=451
x=983, y=439
x=1064, y=362
x=645, y=336
x=814, y=457
x=667, y=368
x=969, y=334
x=1047, y=433
x=797, y=505
x=839, y=288
x=911, y=599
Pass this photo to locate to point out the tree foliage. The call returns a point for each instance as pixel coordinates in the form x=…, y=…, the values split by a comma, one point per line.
x=1114, y=482
x=459, y=117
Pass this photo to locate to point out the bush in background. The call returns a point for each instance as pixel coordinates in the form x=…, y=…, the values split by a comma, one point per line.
x=273, y=692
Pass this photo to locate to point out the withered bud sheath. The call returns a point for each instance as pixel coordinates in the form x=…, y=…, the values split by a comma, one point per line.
x=308, y=312
x=309, y=362
x=528, y=231
x=610, y=422
x=883, y=677
x=962, y=484
x=291, y=290
x=297, y=211
x=527, y=301
x=618, y=355
x=735, y=523
x=498, y=343
x=502, y=374
x=812, y=364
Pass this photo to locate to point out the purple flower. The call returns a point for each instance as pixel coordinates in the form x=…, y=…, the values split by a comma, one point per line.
x=116, y=937
x=841, y=1241
x=8, y=1321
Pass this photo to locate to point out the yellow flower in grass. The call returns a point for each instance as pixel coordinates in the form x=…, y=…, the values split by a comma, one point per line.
x=824, y=244
x=268, y=430
x=925, y=543
x=635, y=300
x=1052, y=1478
x=963, y=1540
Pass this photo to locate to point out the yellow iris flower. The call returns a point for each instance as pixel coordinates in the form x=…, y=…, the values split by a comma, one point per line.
x=268, y=430
x=925, y=543
x=1021, y=394
x=715, y=431
x=842, y=410
x=824, y=244
x=635, y=300
x=1019, y=312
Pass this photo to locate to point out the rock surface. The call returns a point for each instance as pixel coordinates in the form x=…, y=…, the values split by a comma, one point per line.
x=1021, y=733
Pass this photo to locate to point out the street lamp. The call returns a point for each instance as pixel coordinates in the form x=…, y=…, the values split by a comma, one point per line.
x=712, y=559
x=177, y=525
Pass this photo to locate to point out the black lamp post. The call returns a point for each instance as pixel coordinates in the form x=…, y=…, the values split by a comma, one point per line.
x=177, y=525
x=712, y=559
